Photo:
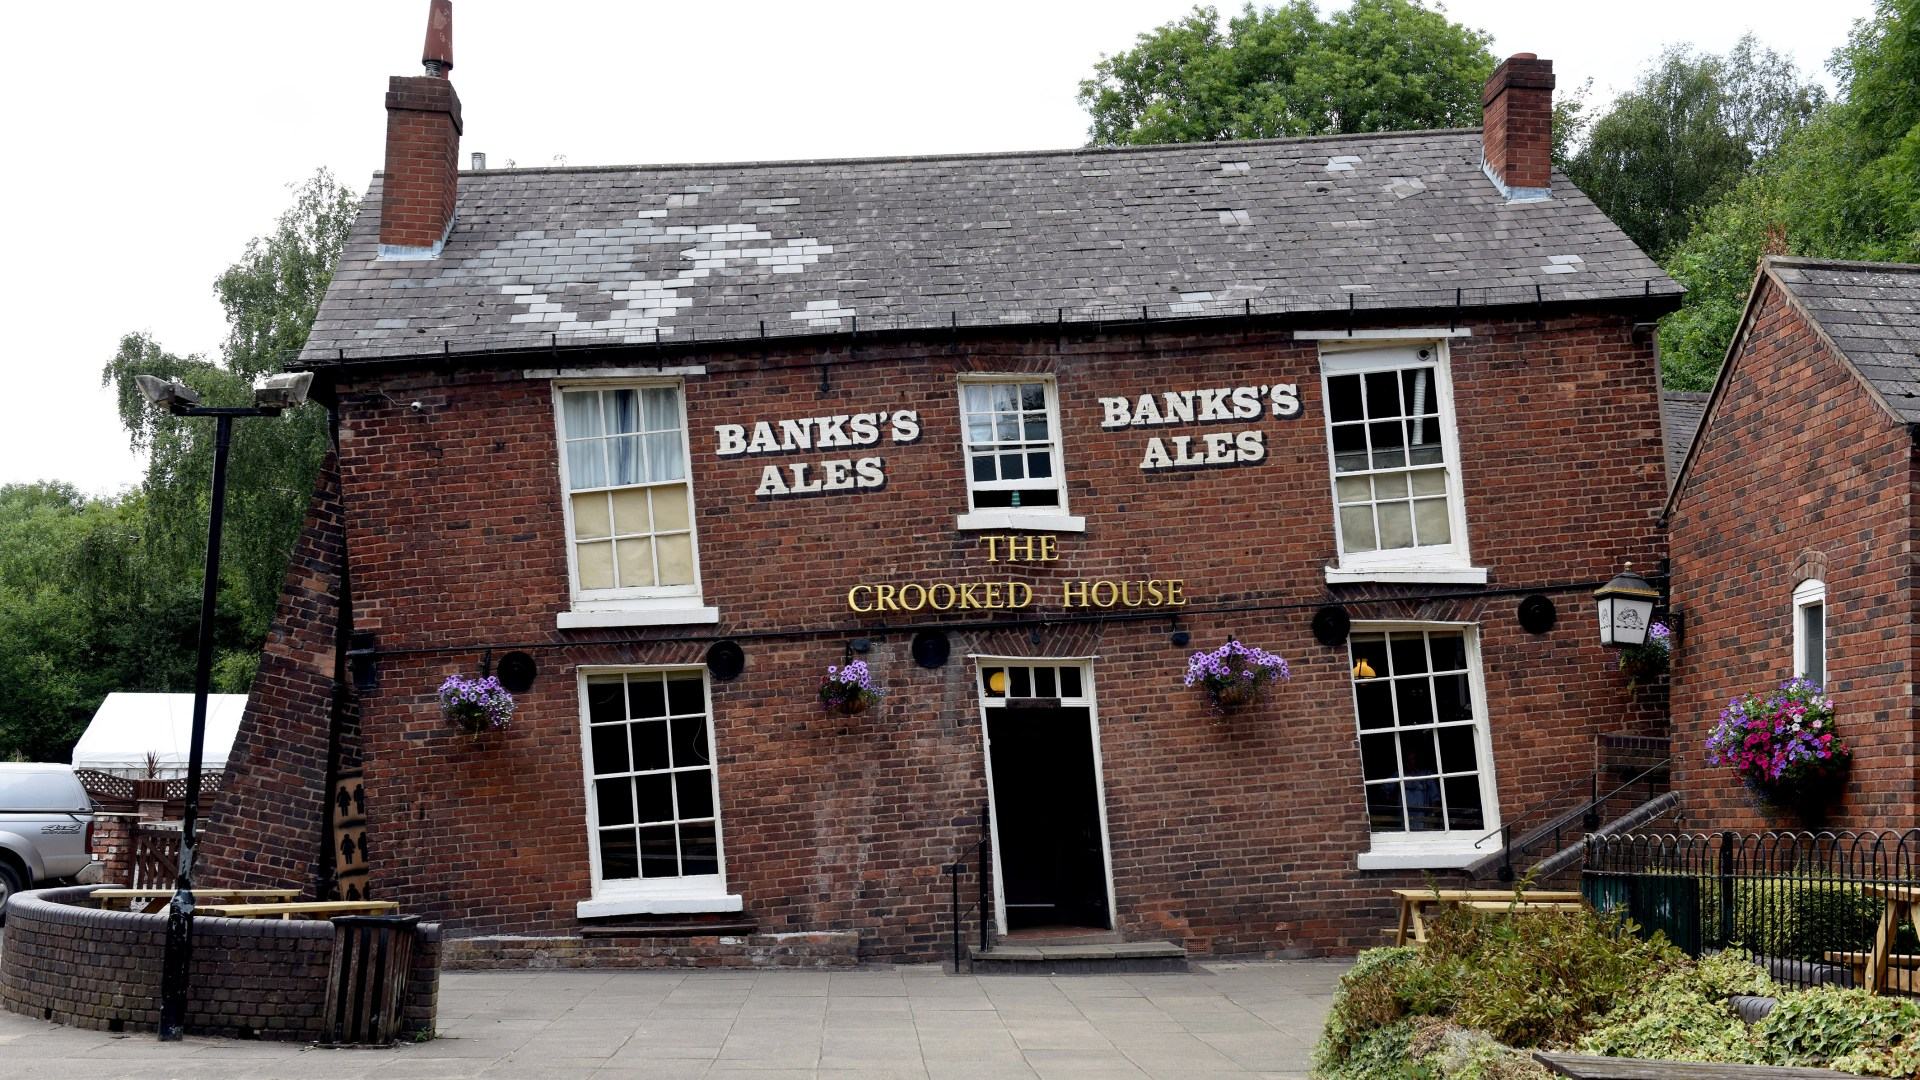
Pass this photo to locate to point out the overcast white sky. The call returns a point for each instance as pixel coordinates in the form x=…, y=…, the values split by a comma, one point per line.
x=147, y=142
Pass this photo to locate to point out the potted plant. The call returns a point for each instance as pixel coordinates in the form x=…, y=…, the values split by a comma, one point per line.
x=1784, y=746
x=849, y=689
x=476, y=705
x=1234, y=675
x=1649, y=661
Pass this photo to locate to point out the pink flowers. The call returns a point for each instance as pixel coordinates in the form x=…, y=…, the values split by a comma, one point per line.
x=1783, y=740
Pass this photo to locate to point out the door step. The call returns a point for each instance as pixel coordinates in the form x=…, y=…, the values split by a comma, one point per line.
x=1126, y=957
x=1042, y=938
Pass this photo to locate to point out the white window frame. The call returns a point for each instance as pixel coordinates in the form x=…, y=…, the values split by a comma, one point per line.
x=652, y=605
x=1087, y=700
x=1809, y=593
x=1438, y=850
x=1449, y=563
x=1054, y=518
x=651, y=896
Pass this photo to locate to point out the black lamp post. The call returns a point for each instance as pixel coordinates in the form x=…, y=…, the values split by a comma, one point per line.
x=270, y=397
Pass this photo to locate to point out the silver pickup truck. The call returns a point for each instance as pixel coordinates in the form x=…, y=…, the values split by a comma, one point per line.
x=46, y=827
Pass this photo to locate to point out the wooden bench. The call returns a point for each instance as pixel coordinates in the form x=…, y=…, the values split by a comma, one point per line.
x=316, y=909
x=1583, y=1067
x=1903, y=906
x=154, y=901
x=1415, y=902
x=1903, y=969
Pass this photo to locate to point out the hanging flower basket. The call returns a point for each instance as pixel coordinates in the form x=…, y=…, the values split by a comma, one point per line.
x=1645, y=663
x=476, y=705
x=849, y=690
x=1235, y=675
x=1784, y=746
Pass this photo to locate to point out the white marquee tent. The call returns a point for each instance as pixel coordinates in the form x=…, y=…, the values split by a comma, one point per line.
x=129, y=727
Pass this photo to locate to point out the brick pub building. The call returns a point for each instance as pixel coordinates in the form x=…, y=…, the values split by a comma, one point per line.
x=1028, y=429
x=1793, y=524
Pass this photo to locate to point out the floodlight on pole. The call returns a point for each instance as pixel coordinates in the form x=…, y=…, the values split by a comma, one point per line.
x=283, y=391
x=167, y=393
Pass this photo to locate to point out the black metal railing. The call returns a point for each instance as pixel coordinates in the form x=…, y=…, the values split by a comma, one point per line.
x=1807, y=905
x=983, y=862
x=1551, y=824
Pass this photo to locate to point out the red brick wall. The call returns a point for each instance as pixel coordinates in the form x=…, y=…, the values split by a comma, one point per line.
x=1233, y=838
x=1797, y=468
x=252, y=978
x=263, y=831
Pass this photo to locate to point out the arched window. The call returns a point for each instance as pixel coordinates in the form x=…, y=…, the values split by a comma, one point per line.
x=1810, y=631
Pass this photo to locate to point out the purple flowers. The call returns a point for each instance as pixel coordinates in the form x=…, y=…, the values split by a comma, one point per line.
x=476, y=704
x=1234, y=674
x=849, y=689
x=1782, y=740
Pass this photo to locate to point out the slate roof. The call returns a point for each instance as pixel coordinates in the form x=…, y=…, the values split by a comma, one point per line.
x=1680, y=415
x=1871, y=313
x=731, y=252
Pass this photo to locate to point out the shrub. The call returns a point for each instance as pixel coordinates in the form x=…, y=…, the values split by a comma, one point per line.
x=1684, y=1016
x=1376, y=1054
x=1369, y=998
x=1850, y=1030
x=1541, y=979
x=1457, y=1053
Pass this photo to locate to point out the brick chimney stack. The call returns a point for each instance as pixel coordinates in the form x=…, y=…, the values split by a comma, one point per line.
x=1517, y=130
x=421, y=183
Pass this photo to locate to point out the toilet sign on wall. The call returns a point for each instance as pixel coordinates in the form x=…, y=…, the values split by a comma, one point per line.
x=1215, y=405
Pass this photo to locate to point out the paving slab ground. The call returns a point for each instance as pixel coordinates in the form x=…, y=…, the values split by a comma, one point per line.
x=1220, y=1020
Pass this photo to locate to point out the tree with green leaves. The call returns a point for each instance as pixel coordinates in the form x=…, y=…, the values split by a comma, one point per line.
x=270, y=296
x=98, y=595
x=1844, y=185
x=1379, y=65
x=1686, y=134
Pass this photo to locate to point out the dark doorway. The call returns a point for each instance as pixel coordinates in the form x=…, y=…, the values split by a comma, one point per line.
x=1046, y=802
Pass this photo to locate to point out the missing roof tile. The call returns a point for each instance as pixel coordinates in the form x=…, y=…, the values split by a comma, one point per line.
x=1234, y=217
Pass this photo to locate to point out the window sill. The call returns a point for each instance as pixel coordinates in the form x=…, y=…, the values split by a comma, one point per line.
x=1434, y=575
x=587, y=618
x=1390, y=858
x=666, y=904
x=1020, y=519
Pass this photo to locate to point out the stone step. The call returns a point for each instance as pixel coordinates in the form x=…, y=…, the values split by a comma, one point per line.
x=832, y=949
x=1110, y=958
x=673, y=929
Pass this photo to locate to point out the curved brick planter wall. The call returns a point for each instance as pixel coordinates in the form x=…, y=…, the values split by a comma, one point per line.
x=261, y=978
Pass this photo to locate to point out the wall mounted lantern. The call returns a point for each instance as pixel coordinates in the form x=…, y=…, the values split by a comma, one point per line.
x=1626, y=608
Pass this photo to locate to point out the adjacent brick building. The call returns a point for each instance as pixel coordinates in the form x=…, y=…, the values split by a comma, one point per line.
x=1793, y=524
x=1021, y=432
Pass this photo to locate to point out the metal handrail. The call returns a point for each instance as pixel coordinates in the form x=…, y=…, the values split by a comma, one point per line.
x=983, y=858
x=1553, y=826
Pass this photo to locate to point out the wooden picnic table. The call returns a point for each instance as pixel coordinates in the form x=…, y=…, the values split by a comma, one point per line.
x=1903, y=906
x=313, y=909
x=1415, y=902
x=157, y=899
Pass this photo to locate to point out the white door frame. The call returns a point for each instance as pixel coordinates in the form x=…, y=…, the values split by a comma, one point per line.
x=1089, y=701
